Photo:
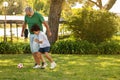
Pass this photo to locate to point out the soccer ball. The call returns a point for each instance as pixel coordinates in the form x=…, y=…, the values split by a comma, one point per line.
x=20, y=65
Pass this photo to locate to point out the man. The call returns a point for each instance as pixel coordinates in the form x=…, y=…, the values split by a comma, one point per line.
x=32, y=18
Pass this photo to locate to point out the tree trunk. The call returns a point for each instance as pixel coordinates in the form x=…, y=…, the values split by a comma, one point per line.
x=109, y=5
x=53, y=20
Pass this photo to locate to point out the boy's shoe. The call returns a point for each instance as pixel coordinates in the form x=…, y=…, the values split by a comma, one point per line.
x=53, y=65
x=44, y=65
x=37, y=66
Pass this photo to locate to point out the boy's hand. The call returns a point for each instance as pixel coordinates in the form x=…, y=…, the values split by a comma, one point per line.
x=36, y=40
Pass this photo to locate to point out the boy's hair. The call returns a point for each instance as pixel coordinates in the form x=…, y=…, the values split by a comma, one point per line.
x=35, y=27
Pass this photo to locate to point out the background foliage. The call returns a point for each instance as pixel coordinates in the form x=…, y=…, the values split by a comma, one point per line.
x=91, y=25
x=84, y=47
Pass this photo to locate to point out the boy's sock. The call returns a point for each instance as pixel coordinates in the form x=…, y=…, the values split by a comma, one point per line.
x=44, y=64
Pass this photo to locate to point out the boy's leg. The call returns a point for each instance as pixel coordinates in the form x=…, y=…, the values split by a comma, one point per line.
x=48, y=57
x=53, y=64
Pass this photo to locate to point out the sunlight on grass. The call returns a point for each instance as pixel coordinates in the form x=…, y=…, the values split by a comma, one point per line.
x=69, y=67
x=105, y=58
x=112, y=61
x=5, y=61
x=116, y=38
x=117, y=60
x=105, y=64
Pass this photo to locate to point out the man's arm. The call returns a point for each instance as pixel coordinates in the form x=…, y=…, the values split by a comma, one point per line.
x=48, y=29
x=23, y=29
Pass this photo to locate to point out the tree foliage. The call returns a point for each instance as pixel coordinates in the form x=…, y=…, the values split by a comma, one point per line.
x=14, y=7
x=93, y=26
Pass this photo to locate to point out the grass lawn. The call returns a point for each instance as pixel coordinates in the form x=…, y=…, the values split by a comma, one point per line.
x=69, y=67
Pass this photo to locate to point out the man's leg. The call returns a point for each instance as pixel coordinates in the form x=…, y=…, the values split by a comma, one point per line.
x=44, y=64
x=34, y=48
x=37, y=58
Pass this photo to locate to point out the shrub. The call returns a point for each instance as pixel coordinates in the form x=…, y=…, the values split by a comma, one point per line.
x=110, y=47
x=93, y=26
x=73, y=47
x=9, y=48
x=84, y=47
x=26, y=49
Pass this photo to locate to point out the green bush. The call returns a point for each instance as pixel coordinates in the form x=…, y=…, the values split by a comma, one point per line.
x=73, y=47
x=14, y=48
x=9, y=48
x=65, y=47
x=84, y=47
x=91, y=25
x=111, y=47
x=26, y=49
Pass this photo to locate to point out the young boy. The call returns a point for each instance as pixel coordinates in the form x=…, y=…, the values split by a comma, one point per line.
x=44, y=44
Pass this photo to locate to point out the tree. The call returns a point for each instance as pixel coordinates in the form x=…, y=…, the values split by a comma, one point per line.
x=42, y=7
x=93, y=25
x=1, y=6
x=15, y=7
x=54, y=16
x=56, y=8
x=98, y=3
x=107, y=6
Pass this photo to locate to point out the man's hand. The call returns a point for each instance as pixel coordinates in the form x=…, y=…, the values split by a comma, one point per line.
x=21, y=34
x=49, y=33
x=48, y=29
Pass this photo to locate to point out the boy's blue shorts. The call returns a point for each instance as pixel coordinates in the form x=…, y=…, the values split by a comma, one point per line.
x=45, y=49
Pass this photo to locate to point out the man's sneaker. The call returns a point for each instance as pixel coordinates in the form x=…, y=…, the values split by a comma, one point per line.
x=37, y=66
x=53, y=65
x=44, y=65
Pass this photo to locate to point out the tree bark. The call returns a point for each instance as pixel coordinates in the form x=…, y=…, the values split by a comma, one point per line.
x=54, y=17
x=109, y=5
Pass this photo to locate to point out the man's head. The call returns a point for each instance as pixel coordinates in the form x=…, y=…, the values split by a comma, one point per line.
x=29, y=11
x=35, y=29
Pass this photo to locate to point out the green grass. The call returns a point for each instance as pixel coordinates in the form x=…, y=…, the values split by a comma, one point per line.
x=69, y=67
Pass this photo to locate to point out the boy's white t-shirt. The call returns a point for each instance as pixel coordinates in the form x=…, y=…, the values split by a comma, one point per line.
x=42, y=37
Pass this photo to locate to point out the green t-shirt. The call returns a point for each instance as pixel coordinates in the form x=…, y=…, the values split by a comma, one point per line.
x=35, y=19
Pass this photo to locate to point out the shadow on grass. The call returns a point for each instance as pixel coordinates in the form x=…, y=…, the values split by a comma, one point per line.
x=69, y=67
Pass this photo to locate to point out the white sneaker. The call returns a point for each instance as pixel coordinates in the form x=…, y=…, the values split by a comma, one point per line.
x=44, y=66
x=53, y=65
x=37, y=66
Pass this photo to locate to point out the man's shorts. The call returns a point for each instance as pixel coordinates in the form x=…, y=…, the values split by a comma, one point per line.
x=45, y=49
x=34, y=46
